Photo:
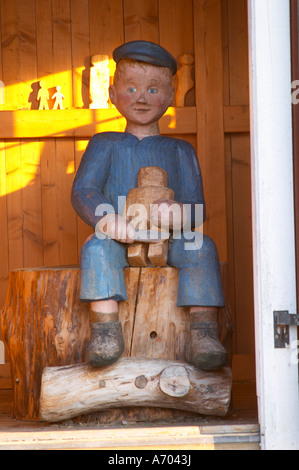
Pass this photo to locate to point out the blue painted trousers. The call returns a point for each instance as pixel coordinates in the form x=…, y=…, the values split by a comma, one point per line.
x=102, y=262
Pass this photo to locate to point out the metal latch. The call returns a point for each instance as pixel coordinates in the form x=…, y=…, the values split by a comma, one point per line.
x=282, y=322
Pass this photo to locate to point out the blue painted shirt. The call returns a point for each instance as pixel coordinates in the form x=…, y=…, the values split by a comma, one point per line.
x=110, y=165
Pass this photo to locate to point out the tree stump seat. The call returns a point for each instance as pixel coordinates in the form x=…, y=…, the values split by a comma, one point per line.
x=46, y=330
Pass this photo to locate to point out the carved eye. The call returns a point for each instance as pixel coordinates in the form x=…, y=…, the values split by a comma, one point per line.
x=153, y=91
x=132, y=89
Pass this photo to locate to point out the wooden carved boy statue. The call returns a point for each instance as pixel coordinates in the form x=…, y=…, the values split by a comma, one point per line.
x=142, y=92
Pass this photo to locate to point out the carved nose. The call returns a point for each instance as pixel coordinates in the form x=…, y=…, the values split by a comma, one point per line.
x=142, y=98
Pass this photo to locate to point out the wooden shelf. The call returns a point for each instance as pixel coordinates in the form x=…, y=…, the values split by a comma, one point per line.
x=235, y=436
x=84, y=123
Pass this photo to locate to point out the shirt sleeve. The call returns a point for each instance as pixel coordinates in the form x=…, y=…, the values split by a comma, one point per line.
x=191, y=185
x=87, y=191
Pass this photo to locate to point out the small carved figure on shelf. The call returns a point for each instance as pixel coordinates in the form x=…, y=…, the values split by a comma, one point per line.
x=43, y=96
x=58, y=97
x=99, y=82
x=185, y=79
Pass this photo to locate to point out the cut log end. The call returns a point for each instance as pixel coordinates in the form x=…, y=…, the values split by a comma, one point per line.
x=174, y=381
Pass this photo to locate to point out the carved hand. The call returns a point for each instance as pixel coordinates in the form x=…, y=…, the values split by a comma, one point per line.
x=166, y=213
x=116, y=227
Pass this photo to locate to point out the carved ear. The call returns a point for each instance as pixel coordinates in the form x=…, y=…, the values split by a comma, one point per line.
x=171, y=96
x=112, y=93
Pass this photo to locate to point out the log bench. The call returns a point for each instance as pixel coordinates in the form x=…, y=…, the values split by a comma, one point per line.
x=46, y=330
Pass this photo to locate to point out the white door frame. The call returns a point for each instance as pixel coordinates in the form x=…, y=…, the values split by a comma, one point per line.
x=2, y=353
x=273, y=219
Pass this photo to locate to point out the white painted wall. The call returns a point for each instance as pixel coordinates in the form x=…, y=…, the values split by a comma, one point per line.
x=273, y=219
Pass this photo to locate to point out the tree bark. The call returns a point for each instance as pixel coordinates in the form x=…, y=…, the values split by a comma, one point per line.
x=43, y=324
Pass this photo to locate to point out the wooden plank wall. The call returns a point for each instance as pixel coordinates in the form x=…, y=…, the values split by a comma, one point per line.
x=238, y=177
x=54, y=40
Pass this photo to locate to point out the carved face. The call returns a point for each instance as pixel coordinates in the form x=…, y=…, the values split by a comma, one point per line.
x=142, y=92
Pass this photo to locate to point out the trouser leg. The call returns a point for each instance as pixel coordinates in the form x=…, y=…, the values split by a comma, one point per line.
x=101, y=279
x=199, y=273
x=101, y=270
x=200, y=289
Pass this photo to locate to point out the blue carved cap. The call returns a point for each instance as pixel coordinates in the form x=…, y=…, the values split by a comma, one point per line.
x=146, y=51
